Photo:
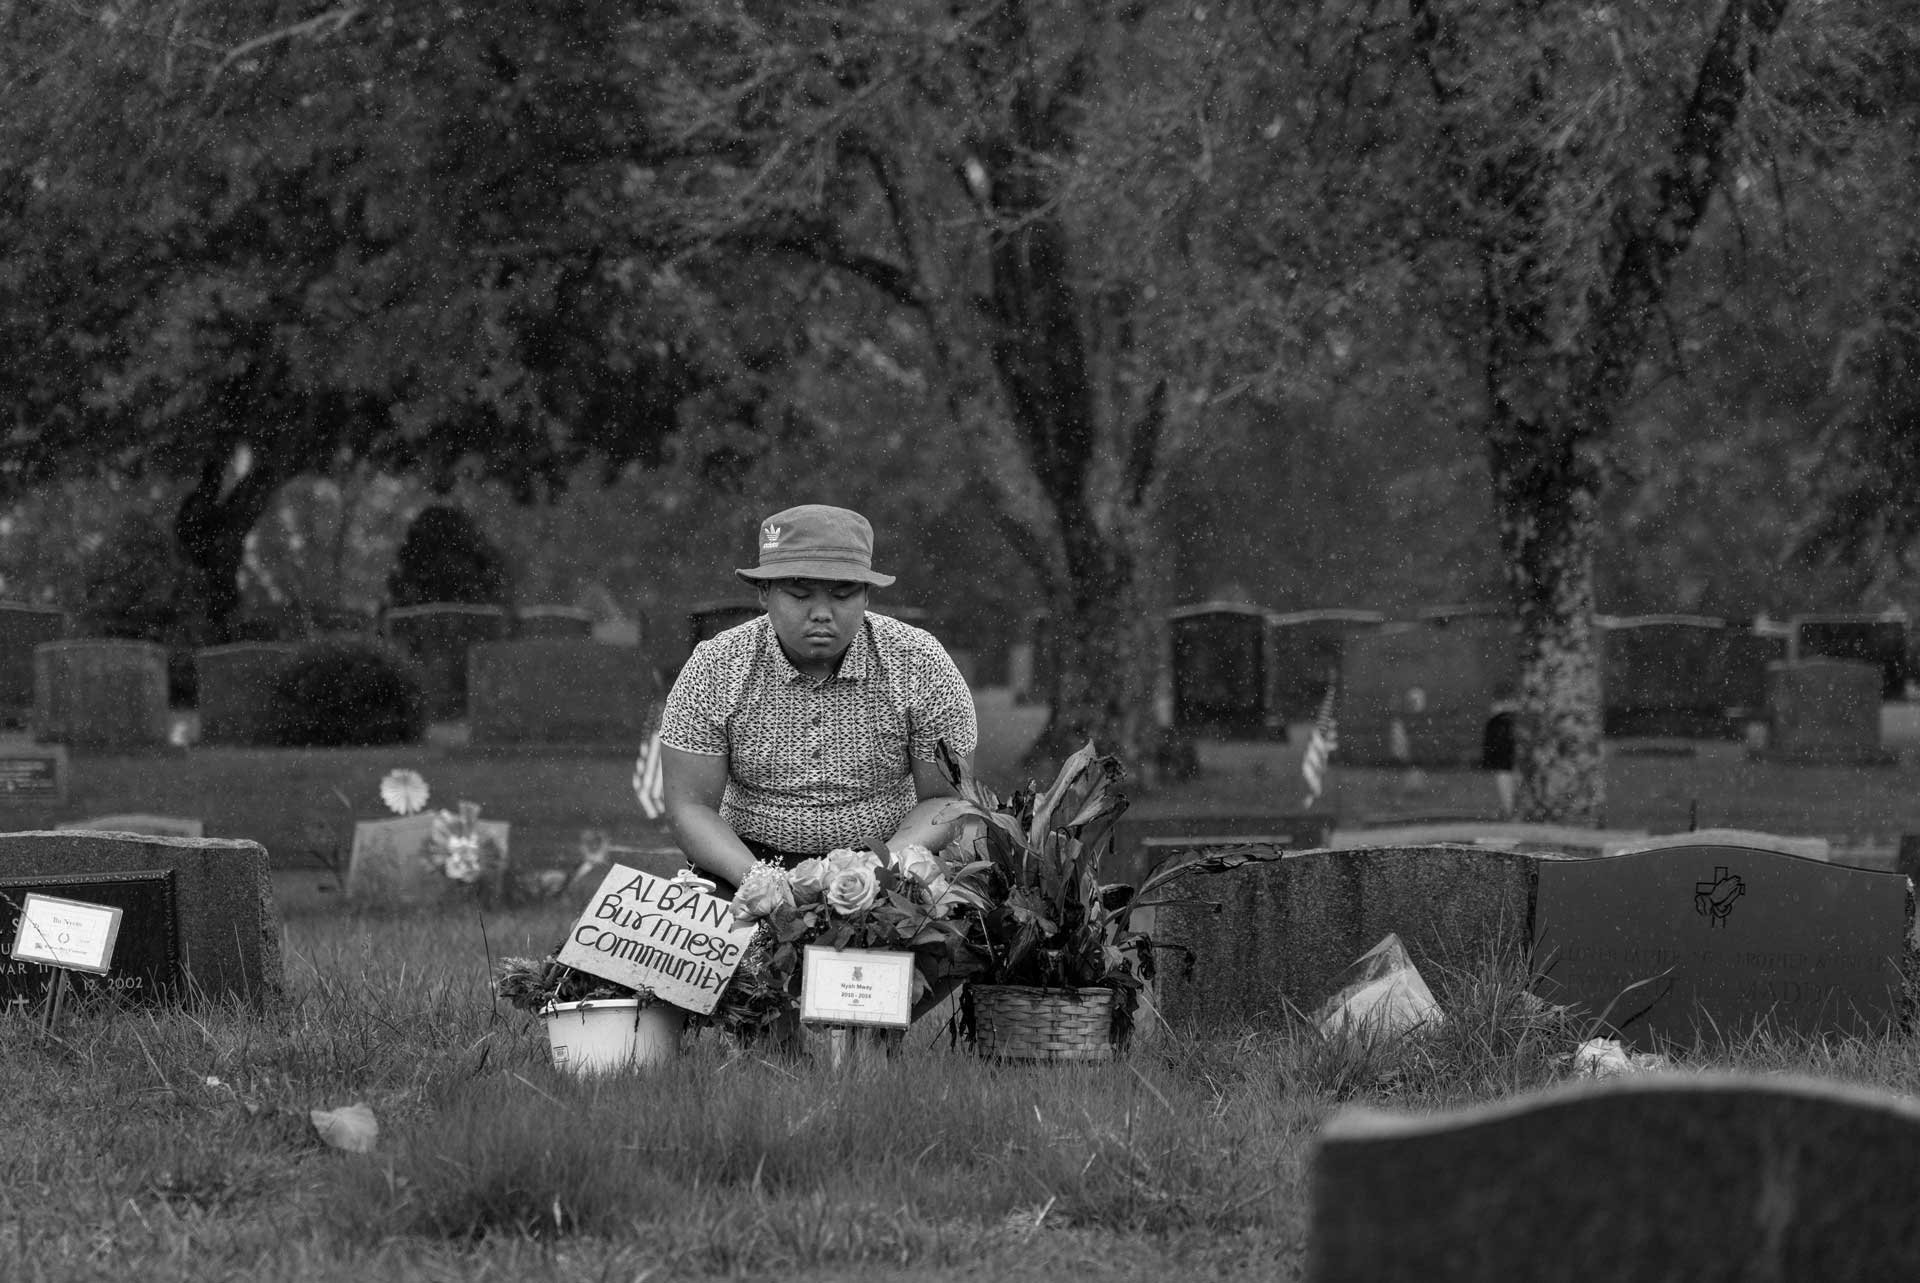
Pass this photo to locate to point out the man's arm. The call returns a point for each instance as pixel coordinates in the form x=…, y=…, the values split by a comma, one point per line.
x=931, y=787
x=692, y=785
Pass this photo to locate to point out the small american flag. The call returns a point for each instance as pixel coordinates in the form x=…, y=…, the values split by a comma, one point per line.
x=1324, y=738
x=648, y=786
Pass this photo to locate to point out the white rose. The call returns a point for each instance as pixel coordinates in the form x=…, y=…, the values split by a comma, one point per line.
x=763, y=890
x=809, y=879
x=839, y=861
x=920, y=864
x=852, y=890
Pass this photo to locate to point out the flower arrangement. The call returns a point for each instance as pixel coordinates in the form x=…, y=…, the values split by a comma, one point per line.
x=457, y=847
x=871, y=897
x=535, y=984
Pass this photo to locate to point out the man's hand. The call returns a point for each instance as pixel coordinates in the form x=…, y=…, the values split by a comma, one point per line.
x=692, y=785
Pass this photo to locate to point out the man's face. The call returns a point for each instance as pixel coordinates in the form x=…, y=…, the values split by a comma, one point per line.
x=814, y=619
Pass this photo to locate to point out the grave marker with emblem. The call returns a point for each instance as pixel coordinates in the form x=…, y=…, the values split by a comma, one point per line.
x=146, y=955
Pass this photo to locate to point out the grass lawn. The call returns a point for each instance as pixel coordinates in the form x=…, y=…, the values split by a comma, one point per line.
x=301, y=804
x=176, y=1145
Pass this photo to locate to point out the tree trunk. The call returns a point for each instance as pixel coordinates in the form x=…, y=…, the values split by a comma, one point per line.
x=212, y=527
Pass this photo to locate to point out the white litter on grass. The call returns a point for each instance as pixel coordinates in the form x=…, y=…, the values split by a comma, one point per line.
x=1605, y=1057
x=1382, y=993
x=352, y=1128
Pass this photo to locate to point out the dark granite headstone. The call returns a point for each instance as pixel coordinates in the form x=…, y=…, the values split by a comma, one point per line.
x=1220, y=671
x=101, y=694
x=1825, y=711
x=553, y=621
x=1880, y=640
x=559, y=691
x=22, y=627
x=1749, y=653
x=145, y=967
x=1664, y=675
x=709, y=619
x=1728, y=935
x=1303, y=648
x=33, y=773
x=236, y=691
x=1656, y=1179
x=1284, y=930
x=229, y=926
x=438, y=635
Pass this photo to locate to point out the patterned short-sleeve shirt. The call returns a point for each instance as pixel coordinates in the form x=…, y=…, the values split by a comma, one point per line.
x=816, y=765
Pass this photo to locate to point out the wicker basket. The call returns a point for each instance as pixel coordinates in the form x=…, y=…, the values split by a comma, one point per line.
x=1016, y=1022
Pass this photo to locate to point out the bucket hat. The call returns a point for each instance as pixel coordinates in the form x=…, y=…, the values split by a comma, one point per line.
x=815, y=541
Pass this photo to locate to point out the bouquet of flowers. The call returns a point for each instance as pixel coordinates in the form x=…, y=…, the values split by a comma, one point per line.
x=458, y=847
x=871, y=897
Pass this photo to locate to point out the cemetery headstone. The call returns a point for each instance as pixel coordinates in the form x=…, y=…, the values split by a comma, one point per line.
x=709, y=619
x=1750, y=651
x=102, y=694
x=33, y=774
x=145, y=966
x=1220, y=671
x=553, y=621
x=559, y=691
x=1880, y=640
x=1560, y=839
x=1707, y=1178
x=235, y=685
x=1664, y=675
x=228, y=924
x=439, y=635
x=1142, y=843
x=171, y=826
x=390, y=864
x=1672, y=942
x=1807, y=848
x=1825, y=711
x=23, y=627
x=1275, y=936
x=1303, y=647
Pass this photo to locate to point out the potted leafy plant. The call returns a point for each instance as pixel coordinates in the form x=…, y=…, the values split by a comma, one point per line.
x=1064, y=968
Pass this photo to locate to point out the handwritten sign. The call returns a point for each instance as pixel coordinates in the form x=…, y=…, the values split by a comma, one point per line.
x=857, y=987
x=670, y=937
x=66, y=933
x=146, y=953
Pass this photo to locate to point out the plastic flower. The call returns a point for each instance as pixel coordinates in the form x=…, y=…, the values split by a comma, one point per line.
x=404, y=792
x=455, y=844
x=764, y=889
x=852, y=890
x=809, y=880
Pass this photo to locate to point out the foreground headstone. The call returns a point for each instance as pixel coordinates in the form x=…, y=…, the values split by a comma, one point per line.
x=229, y=926
x=1807, y=848
x=145, y=966
x=559, y=690
x=1274, y=937
x=1143, y=843
x=1654, y=1180
x=1723, y=937
x=101, y=694
x=170, y=826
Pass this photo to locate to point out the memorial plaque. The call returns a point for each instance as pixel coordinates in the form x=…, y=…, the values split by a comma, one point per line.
x=1726, y=936
x=146, y=957
x=33, y=773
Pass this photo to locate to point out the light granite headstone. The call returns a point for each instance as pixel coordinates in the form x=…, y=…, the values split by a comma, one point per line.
x=1655, y=1179
x=1275, y=936
x=1681, y=941
x=1825, y=712
x=559, y=690
x=101, y=694
x=229, y=925
x=391, y=863
x=235, y=686
x=1807, y=848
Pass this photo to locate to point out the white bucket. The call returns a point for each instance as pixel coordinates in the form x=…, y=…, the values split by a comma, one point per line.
x=608, y=1034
